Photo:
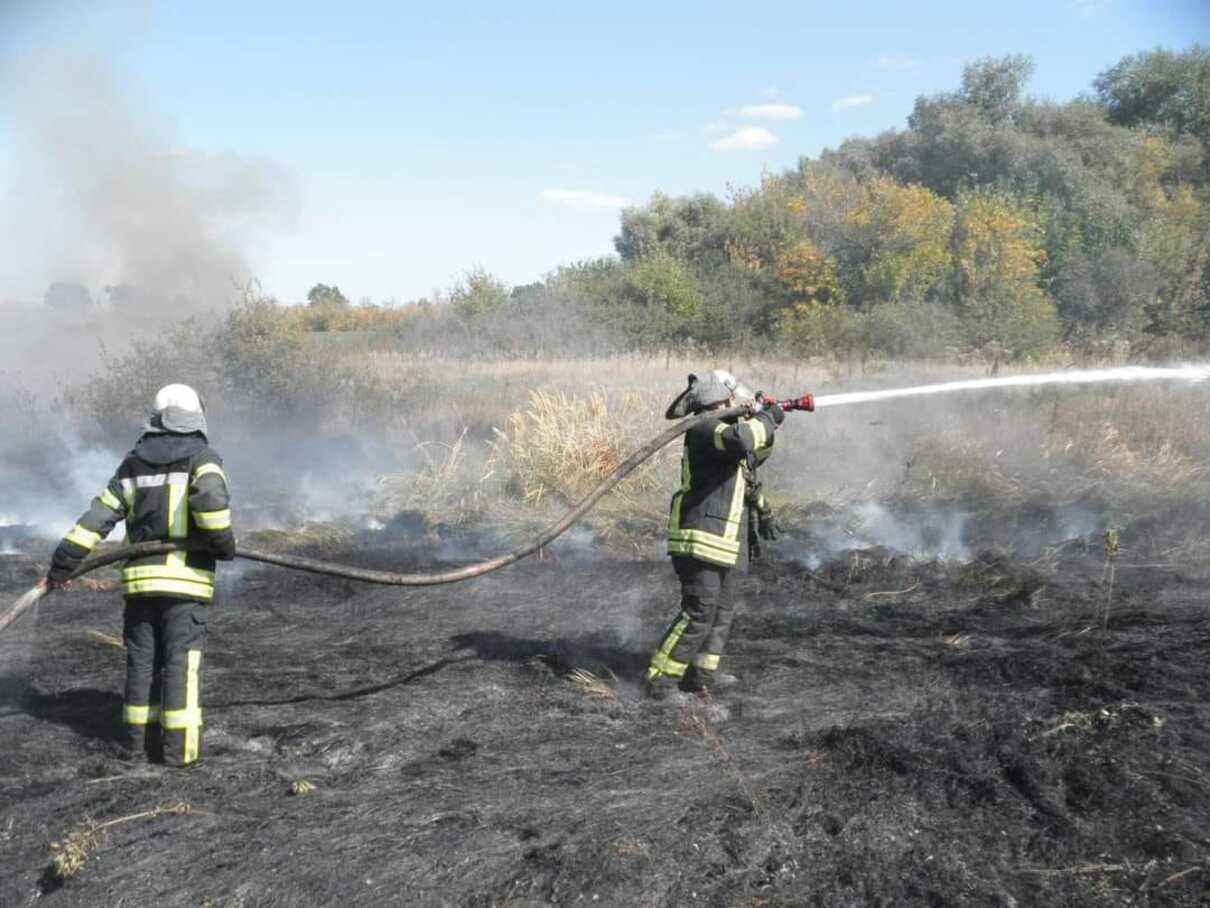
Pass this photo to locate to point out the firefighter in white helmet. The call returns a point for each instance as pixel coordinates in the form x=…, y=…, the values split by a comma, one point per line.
x=705, y=528
x=170, y=488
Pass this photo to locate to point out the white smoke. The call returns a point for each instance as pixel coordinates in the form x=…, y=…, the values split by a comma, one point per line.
x=100, y=193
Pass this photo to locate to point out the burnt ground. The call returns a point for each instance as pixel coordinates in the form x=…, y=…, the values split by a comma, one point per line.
x=938, y=734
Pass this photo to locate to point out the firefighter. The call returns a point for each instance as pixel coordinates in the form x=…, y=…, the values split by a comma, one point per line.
x=705, y=527
x=171, y=487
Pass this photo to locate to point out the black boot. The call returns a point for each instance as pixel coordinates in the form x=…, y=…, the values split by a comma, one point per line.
x=663, y=689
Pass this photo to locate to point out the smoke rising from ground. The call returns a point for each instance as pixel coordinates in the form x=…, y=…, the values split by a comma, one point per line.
x=100, y=193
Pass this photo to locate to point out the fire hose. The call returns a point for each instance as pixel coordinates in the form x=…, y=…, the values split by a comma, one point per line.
x=390, y=578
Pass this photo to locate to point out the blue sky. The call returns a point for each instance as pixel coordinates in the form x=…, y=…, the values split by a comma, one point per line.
x=421, y=141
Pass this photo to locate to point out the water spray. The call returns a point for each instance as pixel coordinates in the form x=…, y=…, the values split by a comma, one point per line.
x=1122, y=375
x=806, y=403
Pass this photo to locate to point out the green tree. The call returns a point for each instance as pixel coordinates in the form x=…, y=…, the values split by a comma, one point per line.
x=686, y=228
x=323, y=295
x=994, y=85
x=478, y=294
x=666, y=297
x=1160, y=88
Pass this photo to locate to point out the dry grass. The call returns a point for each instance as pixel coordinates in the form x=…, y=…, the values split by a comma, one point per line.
x=452, y=483
x=107, y=639
x=543, y=433
x=71, y=853
x=592, y=686
x=563, y=446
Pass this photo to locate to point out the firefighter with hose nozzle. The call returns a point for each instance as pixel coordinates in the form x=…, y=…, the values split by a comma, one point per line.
x=170, y=488
x=719, y=488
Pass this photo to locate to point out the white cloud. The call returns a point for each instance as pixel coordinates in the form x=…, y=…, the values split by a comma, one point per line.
x=852, y=101
x=750, y=138
x=771, y=111
x=584, y=200
x=895, y=62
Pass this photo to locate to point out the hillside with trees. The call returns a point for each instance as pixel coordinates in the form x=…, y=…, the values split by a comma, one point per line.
x=993, y=225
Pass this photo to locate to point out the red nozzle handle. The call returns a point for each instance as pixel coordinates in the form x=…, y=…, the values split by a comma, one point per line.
x=806, y=402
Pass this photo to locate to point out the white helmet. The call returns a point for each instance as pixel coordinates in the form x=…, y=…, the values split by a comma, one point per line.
x=734, y=385
x=182, y=397
x=177, y=409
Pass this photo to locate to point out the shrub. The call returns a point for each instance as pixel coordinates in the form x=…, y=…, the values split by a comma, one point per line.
x=563, y=445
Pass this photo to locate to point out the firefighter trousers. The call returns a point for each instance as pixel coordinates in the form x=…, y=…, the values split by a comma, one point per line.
x=691, y=648
x=162, y=714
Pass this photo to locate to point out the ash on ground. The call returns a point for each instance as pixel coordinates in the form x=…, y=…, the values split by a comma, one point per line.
x=996, y=730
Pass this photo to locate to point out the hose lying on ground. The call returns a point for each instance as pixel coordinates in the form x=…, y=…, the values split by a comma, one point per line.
x=390, y=578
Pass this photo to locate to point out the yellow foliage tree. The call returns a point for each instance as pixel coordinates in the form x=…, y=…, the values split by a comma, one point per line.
x=809, y=275
x=903, y=234
x=995, y=242
x=997, y=251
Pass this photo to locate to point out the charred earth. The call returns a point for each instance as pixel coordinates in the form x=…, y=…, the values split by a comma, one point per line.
x=997, y=731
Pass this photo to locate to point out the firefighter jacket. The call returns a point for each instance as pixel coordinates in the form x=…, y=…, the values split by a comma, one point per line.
x=707, y=512
x=169, y=488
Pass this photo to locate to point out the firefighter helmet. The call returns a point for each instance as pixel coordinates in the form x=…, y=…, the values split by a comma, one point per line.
x=180, y=396
x=177, y=409
x=704, y=391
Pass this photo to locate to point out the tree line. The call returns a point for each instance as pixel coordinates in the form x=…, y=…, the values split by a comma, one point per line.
x=993, y=224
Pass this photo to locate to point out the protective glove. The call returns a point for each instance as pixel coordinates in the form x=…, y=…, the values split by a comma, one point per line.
x=56, y=578
x=769, y=405
x=766, y=525
x=222, y=546
x=50, y=583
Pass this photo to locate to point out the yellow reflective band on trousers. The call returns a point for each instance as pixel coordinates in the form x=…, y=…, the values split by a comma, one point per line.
x=111, y=501
x=662, y=662
x=213, y=520
x=707, y=662
x=189, y=719
x=140, y=715
x=85, y=539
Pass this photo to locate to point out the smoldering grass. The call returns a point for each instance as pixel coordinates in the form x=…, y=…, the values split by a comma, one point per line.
x=453, y=483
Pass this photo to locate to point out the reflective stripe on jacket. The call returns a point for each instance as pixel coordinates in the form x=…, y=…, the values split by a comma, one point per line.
x=707, y=511
x=170, y=487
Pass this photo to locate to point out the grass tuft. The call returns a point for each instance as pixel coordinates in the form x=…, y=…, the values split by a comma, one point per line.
x=70, y=854
x=592, y=686
x=562, y=445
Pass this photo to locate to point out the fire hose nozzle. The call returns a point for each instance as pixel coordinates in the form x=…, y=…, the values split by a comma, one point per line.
x=806, y=402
